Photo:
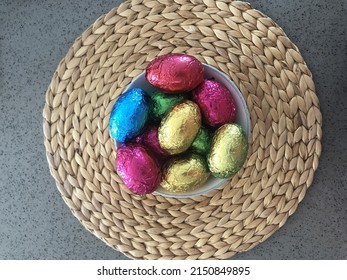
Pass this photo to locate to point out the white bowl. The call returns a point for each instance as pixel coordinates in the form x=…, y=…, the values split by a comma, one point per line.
x=242, y=118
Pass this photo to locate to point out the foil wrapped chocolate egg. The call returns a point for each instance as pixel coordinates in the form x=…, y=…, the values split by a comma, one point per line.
x=149, y=139
x=185, y=173
x=202, y=141
x=129, y=115
x=139, y=171
x=175, y=73
x=179, y=128
x=161, y=103
x=228, y=152
x=216, y=103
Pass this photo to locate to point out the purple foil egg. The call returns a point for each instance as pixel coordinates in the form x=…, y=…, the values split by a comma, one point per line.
x=139, y=171
x=175, y=73
x=149, y=139
x=216, y=103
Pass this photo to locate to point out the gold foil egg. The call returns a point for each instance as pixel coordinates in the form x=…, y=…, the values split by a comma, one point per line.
x=228, y=151
x=185, y=173
x=179, y=128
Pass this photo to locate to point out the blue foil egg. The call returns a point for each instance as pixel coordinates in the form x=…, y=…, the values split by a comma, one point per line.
x=129, y=115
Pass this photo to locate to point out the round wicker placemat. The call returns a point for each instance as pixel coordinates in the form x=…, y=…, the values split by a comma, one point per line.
x=285, y=116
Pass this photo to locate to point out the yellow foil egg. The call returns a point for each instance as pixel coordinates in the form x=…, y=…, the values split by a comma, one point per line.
x=228, y=151
x=185, y=173
x=179, y=128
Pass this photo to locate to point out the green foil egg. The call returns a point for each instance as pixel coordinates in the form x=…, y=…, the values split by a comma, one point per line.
x=185, y=173
x=179, y=128
x=202, y=141
x=161, y=103
x=228, y=152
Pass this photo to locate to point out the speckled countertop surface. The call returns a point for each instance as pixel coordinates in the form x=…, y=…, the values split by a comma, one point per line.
x=35, y=223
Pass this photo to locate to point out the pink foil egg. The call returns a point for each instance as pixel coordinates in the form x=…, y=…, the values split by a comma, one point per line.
x=175, y=73
x=217, y=105
x=149, y=139
x=139, y=171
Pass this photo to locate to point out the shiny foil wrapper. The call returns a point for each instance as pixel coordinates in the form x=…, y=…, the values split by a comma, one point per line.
x=216, y=103
x=149, y=139
x=228, y=151
x=179, y=128
x=175, y=73
x=129, y=115
x=139, y=171
x=161, y=103
x=185, y=173
x=202, y=141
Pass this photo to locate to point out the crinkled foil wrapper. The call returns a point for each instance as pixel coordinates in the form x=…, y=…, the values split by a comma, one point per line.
x=149, y=139
x=129, y=115
x=185, y=173
x=228, y=152
x=202, y=141
x=139, y=171
x=216, y=103
x=161, y=103
x=179, y=128
x=175, y=73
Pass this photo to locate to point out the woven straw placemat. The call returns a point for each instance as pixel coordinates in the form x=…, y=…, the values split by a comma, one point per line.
x=280, y=94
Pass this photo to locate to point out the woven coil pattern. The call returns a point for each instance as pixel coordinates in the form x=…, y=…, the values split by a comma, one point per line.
x=285, y=119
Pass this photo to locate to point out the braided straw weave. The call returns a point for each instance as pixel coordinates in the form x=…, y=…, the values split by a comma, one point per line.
x=280, y=95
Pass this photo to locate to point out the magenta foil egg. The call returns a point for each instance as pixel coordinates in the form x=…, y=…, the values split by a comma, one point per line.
x=139, y=171
x=175, y=73
x=149, y=139
x=216, y=103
